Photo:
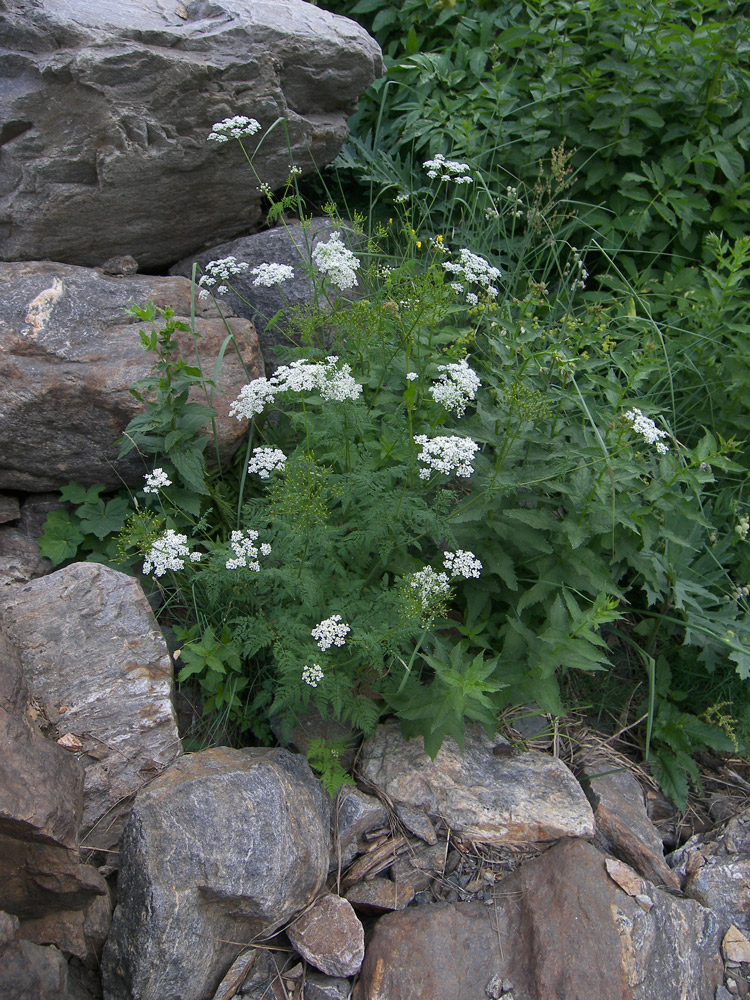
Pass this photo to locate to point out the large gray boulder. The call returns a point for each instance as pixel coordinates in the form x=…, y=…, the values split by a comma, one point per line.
x=69, y=353
x=224, y=845
x=106, y=106
x=94, y=657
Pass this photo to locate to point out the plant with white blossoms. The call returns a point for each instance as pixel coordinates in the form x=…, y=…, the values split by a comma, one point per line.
x=219, y=271
x=246, y=552
x=233, y=128
x=462, y=563
x=301, y=376
x=312, y=674
x=647, y=429
x=429, y=585
x=169, y=551
x=268, y=275
x=156, y=480
x=336, y=262
x=446, y=453
x=264, y=461
x=474, y=270
x=457, y=386
x=330, y=632
x=447, y=170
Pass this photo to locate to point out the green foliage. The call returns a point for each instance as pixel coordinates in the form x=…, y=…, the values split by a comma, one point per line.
x=168, y=425
x=651, y=99
x=324, y=757
x=606, y=496
x=86, y=528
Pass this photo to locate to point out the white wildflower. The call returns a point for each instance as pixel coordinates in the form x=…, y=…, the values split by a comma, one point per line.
x=330, y=632
x=430, y=586
x=401, y=198
x=312, y=674
x=268, y=275
x=252, y=399
x=156, y=480
x=446, y=453
x=294, y=171
x=447, y=170
x=462, y=563
x=337, y=262
x=169, y=551
x=233, y=128
x=647, y=429
x=264, y=461
x=412, y=376
x=472, y=298
x=457, y=386
x=219, y=271
x=246, y=552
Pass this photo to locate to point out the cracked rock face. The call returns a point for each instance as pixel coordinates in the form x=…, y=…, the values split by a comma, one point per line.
x=106, y=106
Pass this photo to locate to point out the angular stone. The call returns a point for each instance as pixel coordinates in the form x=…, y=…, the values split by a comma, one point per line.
x=28, y=972
x=107, y=107
x=445, y=950
x=329, y=936
x=37, y=879
x=416, y=822
x=10, y=509
x=420, y=865
x=559, y=927
x=76, y=932
x=715, y=870
x=735, y=946
x=290, y=244
x=622, y=824
x=224, y=845
x=320, y=987
x=480, y=796
x=69, y=353
x=91, y=649
x=354, y=815
x=20, y=560
x=380, y=895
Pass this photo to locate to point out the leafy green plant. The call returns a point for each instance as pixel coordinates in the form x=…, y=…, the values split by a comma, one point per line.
x=85, y=529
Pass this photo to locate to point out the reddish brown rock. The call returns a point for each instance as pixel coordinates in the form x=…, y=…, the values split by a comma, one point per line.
x=69, y=353
x=380, y=895
x=559, y=928
x=28, y=972
x=329, y=936
x=622, y=823
x=76, y=932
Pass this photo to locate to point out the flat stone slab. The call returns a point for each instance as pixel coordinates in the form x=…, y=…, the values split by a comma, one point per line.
x=480, y=796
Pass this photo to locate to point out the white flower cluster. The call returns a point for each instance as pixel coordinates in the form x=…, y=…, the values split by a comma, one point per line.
x=515, y=202
x=447, y=170
x=269, y=275
x=412, y=376
x=300, y=376
x=337, y=262
x=457, y=386
x=169, y=551
x=474, y=270
x=462, y=563
x=330, y=632
x=246, y=552
x=156, y=480
x=647, y=429
x=580, y=274
x=312, y=674
x=219, y=271
x=430, y=586
x=233, y=128
x=446, y=453
x=264, y=461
